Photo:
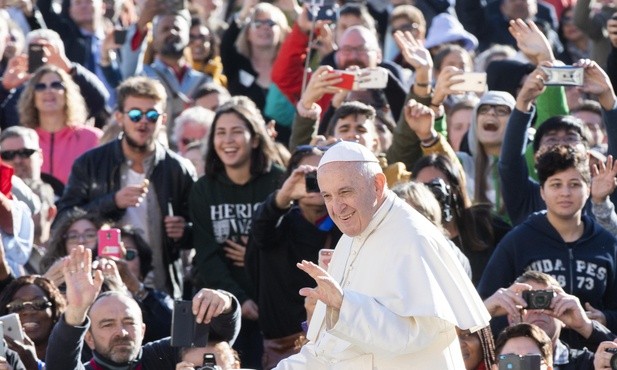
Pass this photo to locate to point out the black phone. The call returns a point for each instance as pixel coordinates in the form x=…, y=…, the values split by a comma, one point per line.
x=185, y=331
x=326, y=13
x=36, y=53
x=311, y=182
x=119, y=36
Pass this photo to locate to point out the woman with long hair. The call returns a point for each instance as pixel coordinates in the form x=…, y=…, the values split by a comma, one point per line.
x=249, y=47
x=474, y=229
x=39, y=305
x=53, y=106
x=241, y=171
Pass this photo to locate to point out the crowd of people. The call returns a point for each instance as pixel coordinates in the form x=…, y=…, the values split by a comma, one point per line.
x=244, y=152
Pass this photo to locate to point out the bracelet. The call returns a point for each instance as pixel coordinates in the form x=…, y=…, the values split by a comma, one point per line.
x=421, y=84
x=429, y=142
x=434, y=105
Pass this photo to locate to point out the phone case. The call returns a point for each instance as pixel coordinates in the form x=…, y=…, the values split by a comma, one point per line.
x=324, y=257
x=371, y=78
x=185, y=332
x=12, y=326
x=348, y=80
x=109, y=243
x=472, y=81
x=35, y=57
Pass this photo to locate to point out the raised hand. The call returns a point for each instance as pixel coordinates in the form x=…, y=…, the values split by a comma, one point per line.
x=82, y=286
x=603, y=181
x=532, y=88
x=420, y=119
x=443, y=86
x=16, y=72
x=507, y=301
x=328, y=290
x=569, y=310
x=413, y=51
x=322, y=82
x=208, y=303
x=595, y=314
x=294, y=187
x=597, y=82
x=55, y=273
x=531, y=41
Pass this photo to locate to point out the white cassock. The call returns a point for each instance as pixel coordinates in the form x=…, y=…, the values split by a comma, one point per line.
x=403, y=293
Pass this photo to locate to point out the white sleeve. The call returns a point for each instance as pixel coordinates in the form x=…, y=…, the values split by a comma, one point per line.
x=17, y=247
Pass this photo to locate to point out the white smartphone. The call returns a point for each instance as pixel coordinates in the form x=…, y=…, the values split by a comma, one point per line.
x=12, y=326
x=472, y=81
x=324, y=258
x=371, y=78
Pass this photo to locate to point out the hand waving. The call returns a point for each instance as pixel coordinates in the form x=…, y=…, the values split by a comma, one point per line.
x=328, y=290
x=603, y=182
x=82, y=286
x=531, y=41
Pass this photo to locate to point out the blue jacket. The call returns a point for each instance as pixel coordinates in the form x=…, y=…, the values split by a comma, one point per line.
x=584, y=268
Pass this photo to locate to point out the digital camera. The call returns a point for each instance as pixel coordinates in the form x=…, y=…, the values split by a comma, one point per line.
x=538, y=299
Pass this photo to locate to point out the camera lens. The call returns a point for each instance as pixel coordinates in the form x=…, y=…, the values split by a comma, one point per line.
x=540, y=301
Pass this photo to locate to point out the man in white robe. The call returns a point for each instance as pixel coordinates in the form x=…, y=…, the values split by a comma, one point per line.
x=394, y=291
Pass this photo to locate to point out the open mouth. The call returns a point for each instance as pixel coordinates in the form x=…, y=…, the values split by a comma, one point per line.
x=490, y=127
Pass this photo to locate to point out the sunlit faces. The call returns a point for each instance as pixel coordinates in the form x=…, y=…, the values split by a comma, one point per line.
x=359, y=129
x=171, y=35
x=200, y=43
x=140, y=135
x=358, y=47
x=233, y=142
x=263, y=32
x=457, y=58
x=351, y=197
x=36, y=323
x=522, y=346
x=117, y=328
x=25, y=167
x=471, y=348
x=191, y=132
x=491, y=124
x=82, y=232
x=458, y=125
x=569, y=29
x=50, y=100
x=594, y=123
x=565, y=194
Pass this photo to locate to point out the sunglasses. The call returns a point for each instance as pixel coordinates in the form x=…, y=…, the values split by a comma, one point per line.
x=9, y=155
x=135, y=115
x=38, y=304
x=130, y=254
x=265, y=22
x=56, y=85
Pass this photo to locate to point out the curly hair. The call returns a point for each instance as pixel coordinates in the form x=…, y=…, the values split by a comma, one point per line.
x=75, y=110
x=559, y=158
x=56, y=247
x=58, y=304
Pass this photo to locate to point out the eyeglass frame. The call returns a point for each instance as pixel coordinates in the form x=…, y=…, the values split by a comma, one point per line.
x=143, y=114
x=77, y=237
x=55, y=85
x=494, y=107
x=9, y=155
x=33, y=305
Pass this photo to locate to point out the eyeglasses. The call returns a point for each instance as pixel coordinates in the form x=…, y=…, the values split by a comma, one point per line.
x=413, y=28
x=88, y=236
x=500, y=110
x=569, y=139
x=256, y=23
x=38, y=304
x=130, y=254
x=199, y=36
x=56, y=85
x=135, y=115
x=351, y=49
x=9, y=155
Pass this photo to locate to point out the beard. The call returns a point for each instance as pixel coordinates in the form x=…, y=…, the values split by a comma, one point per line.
x=141, y=148
x=173, y=47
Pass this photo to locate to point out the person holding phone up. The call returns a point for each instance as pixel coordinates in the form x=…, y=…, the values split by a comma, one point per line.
x=111, y=323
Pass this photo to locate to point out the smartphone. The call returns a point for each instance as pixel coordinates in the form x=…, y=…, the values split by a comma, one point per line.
x=311, y=182
x=12, y=327
x=120, y=36
x=472, y=81
x=185, y=331
x=326, y=13
x=172, y=6
x=36, y=53
x=324, y=258
x=519, y=362
x=371, y=78
x=109, y=243
x=564, y=76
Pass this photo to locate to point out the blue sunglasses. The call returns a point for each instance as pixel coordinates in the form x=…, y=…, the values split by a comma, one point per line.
x=135, y=115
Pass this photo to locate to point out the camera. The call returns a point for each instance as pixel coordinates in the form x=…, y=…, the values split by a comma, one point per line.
x=209, y=363
x=519, y=362
x=311, y=182
x=442, y=193
x=538, y=299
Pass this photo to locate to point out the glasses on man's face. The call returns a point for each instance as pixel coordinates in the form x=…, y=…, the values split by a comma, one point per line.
x=263, y=22
x=56, y=85
x=348, y=50
x=38, y=304
x=569, y=139
x=74, y=237
x=9, y=155
x=130, y=254
x=500, y=110
x=135, y=115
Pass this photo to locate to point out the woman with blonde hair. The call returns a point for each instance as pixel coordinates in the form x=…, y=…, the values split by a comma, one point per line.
x=249, y=47
x=53, y=106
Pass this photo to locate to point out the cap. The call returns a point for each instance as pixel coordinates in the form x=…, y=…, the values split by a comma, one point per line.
x=347, y=151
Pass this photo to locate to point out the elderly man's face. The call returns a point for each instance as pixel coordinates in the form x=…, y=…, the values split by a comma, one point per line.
x=25, y=159
x=350, y=198
x=357, y=49
x=117, y=329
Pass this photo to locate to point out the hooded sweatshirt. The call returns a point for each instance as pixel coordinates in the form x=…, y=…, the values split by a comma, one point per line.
x=585, y=268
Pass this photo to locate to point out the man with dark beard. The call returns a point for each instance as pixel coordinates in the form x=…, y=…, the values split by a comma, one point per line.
x=135, y=181
x=170, y=38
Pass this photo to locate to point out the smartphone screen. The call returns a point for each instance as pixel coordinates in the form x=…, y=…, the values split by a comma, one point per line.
x=35, y=57
x=119, y=36
x=109, y=243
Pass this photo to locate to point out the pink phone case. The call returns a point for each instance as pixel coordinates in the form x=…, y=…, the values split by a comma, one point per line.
x=109, y=243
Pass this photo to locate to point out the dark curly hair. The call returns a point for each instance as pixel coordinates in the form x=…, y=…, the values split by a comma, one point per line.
x=560, y=158
x=58, y=304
